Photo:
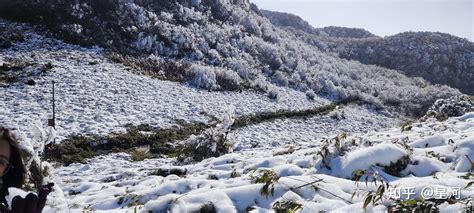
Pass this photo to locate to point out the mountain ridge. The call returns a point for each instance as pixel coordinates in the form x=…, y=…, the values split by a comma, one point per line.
x=440, y=58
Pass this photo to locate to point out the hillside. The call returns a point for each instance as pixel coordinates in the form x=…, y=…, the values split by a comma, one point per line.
x=311, y=160
x=218, y=45
x=289, y=20
x=208, y=106
x=439, y=58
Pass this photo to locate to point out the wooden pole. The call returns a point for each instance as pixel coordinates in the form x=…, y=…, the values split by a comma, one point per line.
x=51, y=123
x=54, y=110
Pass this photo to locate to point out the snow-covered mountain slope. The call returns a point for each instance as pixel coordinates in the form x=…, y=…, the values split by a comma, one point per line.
x=439, y=58
x=306, y=161
x=97, y=96
x=282, y=19
x=286, y=133
x=437, y=153
x=223, y=45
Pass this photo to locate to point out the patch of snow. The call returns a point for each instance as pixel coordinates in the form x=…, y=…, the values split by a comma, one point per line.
x=425, y=166
x=432, y=141
x=464, y=165
x=364, y=158
x=465, y=147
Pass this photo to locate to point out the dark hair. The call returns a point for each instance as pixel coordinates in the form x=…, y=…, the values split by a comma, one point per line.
x=15, y=176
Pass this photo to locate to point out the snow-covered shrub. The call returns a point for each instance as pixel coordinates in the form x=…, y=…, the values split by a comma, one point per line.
x=202, y=76
x=214, y=57
x=451, y=107
x=227, y=79
x=338, y=115
x=140, y=155
x=384, y=155
x=269, y=55
x=274, y=94
x=251, y=26
x=287, y=206
x=280, y=79
x=310, y=94
x=38, y=171
x=242, y=67
x=10, y=36
x=212, y=143
x=145, y=42
x=268, y=178
x=260, y=84
x=329, y=150
x=174, y=70
x=213, y=78
x=338, y=157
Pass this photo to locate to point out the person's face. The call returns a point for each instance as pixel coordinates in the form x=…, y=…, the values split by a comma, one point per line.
x=4, y=156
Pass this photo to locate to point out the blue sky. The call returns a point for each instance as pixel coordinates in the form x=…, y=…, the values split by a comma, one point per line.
x=383, y=17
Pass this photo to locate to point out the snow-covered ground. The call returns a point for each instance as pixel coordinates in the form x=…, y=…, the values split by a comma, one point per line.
x=308, y=131
x=115, y=183
x=96, y=96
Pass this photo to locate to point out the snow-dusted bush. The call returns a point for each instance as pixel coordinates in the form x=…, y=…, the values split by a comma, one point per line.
x=382, y=155
x=338, y=115
x=212, y=143
x=33, y=148
x=242, y=67
x=269, y=55
x=9, y=36
x=260, y=84
x=145, y=42
x=213, y=78
x=274, y=94
x=227, y=79
x=310, y=94
x=202, y=76
x=451, y=107
x=251, y=26
x=280, y=79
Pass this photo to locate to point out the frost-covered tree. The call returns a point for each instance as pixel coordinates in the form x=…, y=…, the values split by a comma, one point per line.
x=204, y=76
x=437, y=57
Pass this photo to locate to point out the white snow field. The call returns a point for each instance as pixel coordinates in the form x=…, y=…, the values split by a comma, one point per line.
x=307, y=132
x=116, y=184
x=96, y=96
